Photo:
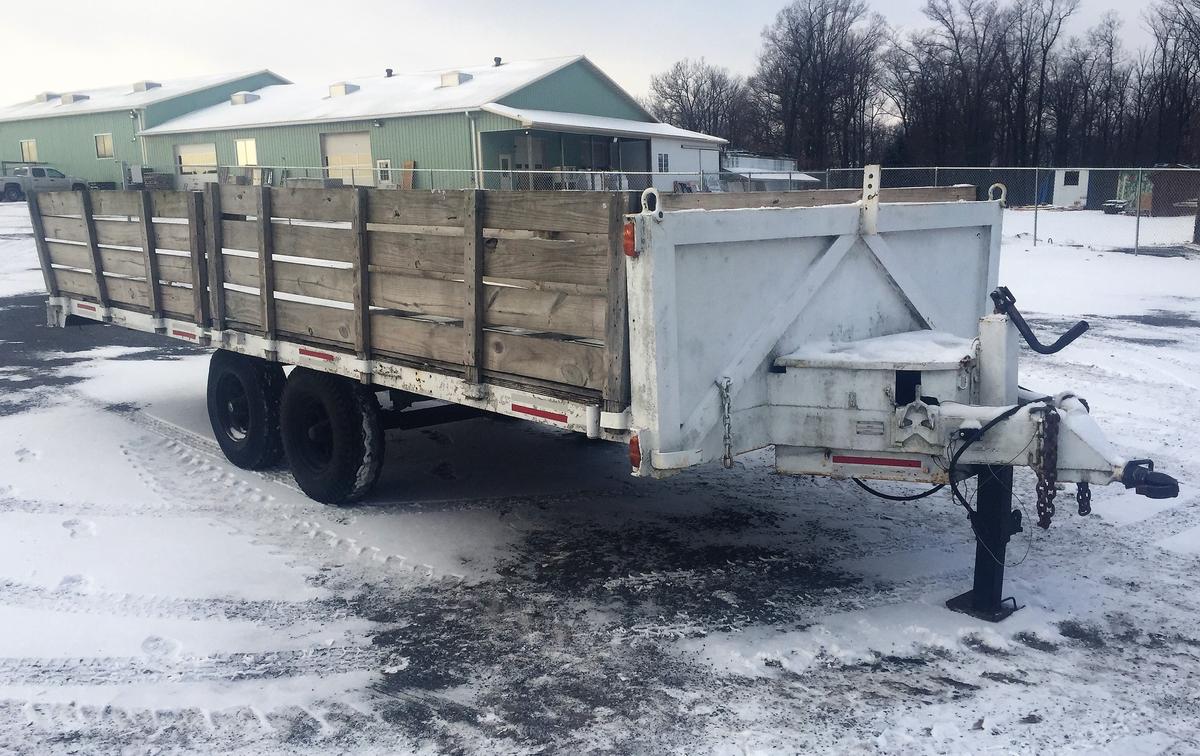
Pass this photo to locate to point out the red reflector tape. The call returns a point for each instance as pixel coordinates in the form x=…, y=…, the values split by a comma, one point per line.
x=184, y=334
x=82, y=306
x=879, y=461
x=319, y=355
x=544, y=414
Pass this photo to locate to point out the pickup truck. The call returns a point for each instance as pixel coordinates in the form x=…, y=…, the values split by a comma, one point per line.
x=39, y=178
x=859, y=335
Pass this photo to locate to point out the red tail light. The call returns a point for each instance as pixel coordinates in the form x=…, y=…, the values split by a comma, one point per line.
x=630, y=240
x=635, y=453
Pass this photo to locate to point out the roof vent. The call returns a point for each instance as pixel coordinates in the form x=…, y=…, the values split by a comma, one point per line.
x=387, y=73
x=241, y=98
x=342, y=88
x=497, y=62
x=71, y=99
x=45, y=97
x=454, y=78
x=145, y=86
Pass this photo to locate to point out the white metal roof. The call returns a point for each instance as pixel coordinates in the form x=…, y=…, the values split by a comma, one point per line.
x=548, y=119
x=402, y=94
x=122, y=97
x=771, y=173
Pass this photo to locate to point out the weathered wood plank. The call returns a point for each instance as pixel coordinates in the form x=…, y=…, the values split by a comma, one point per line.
x=122, y=262
x=361, y=298
x=473, y=252
x=149, y=251
x=583, y=212
x=39, y=241
x=75, y=282
x=425, y=296
x=242, y=271
x=616, y=327
x=119, y=233
x=213, y=243
x=70, y=255
x=266, y=265
x=59, y=203
x=416, y=339
x=415, y=208
x=238, y=200
x=175, y=269
x=416, y=253
x=173, y=236
x=547, y=359
x=314, y=242
x=116, y=202
x=336, y=284
x=177, y=302
x=583, y=261
x=567, y=314
x=168, y=204
x=64, y=229
x=241, y=307
x=313, y=204
x=243, y=235
x=89, y=232
x=127, y=291
x=199, y=268
x=325, y=323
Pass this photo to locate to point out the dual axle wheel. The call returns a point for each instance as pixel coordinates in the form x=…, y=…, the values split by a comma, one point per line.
x=328, y=427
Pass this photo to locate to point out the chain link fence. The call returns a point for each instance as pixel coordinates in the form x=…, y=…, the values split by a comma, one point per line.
x=1142, y=210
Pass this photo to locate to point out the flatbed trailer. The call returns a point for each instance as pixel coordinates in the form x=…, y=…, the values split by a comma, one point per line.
x=862, y=335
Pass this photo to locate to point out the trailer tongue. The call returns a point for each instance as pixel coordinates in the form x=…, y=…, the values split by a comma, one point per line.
x=854, y=338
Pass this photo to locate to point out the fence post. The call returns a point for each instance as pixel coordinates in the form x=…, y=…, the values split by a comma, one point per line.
x=1037, y=190
x=1137, y=223
x=935, y=175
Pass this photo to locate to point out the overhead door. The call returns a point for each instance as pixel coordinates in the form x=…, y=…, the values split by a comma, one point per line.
x=348, y=157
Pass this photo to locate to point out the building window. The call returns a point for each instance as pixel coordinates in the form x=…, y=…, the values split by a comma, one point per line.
x=247, y=151
x=1070, y=178
x=196, y=159
x=104, y=146
x=29, y=151
x=664, y=162
x=384, y=169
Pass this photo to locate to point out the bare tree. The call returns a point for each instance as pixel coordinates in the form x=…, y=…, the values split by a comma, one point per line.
x=697, y=96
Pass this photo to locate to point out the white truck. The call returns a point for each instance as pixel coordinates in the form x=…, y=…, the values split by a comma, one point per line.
x=861, y=339
x=24, y=179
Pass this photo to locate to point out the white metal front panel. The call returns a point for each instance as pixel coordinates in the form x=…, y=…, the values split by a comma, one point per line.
x=720, y=294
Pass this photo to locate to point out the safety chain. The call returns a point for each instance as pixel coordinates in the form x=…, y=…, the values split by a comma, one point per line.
x=723, y=386
x=1083, y=494
x=1047, y=469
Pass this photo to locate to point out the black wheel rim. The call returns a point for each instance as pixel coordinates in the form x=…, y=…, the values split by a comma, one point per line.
x=233, y=408
x=315, y=436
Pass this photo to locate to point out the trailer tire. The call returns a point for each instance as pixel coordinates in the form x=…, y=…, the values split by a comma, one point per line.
x=243, y=406
x=12, y=193
x=333, y=436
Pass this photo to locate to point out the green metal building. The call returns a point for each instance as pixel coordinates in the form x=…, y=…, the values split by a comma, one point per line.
x=93, y=133
x=481, y=126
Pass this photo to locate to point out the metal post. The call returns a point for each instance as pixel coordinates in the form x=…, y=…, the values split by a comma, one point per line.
x=935, y=175
x=993, y=523
x=1037, y=190
x=1137, y=223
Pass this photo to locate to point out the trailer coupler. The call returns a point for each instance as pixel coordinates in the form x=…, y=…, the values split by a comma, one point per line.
x=1139, y=475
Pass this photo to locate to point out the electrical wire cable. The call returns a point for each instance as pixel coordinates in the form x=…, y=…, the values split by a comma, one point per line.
x=890, y=497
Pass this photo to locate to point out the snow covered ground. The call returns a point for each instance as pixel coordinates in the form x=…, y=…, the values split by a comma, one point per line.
x=510, y=589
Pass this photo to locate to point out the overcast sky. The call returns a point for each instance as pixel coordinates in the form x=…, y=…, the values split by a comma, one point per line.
x=76, y=44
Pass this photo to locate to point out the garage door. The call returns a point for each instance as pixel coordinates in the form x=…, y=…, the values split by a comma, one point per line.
x=348, y=157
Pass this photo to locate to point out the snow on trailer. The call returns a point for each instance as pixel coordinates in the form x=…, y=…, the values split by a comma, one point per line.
x=855, y=337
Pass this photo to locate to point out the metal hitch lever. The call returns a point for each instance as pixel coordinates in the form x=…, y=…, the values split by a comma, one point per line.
x=1139, y=475
x=1006, y=305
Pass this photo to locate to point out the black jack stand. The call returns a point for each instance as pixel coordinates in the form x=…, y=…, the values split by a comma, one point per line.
x=994, y=522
